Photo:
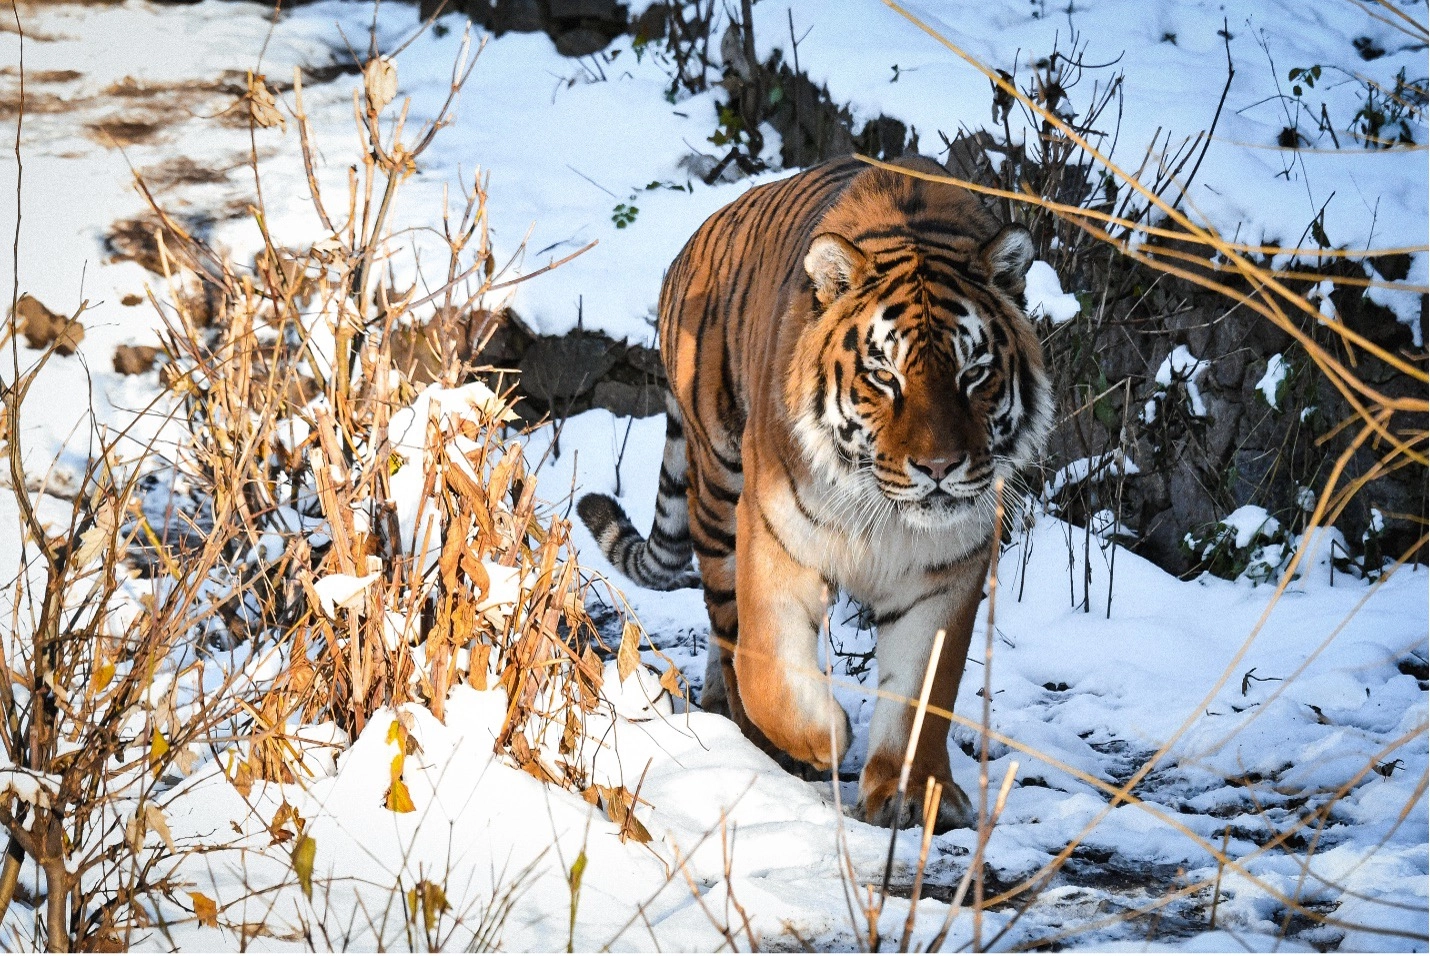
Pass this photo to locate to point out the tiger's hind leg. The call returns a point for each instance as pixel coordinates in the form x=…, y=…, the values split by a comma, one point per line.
x=711, y=503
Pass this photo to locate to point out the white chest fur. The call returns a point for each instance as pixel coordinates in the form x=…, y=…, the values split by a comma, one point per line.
x=857, y=540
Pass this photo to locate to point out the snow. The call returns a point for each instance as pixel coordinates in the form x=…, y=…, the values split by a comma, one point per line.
x=1317, y=696
x=36, y=789
x=1046, y=296
x=342, y=590
x=1270, y=384
x=1184, y=367
x=1111, y=464
x=1248, y=521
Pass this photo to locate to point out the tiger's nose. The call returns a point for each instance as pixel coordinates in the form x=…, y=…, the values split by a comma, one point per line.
x=937, y=468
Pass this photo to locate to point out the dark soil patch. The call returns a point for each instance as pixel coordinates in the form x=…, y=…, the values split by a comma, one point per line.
x=123, y=132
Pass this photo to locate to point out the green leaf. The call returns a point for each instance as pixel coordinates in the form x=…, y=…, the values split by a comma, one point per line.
x=303, y=853
x=573, y=880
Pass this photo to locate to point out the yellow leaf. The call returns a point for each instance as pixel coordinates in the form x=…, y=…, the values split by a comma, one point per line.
x=158, y=746
x=399, y=800
x=242, y=779
x=670, y=680
x=205, y=909
x=101, y=677
x=303, y=853
x=431, y=900
x=628, y=656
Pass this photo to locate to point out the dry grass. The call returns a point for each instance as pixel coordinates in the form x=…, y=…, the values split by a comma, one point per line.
x=320, y=541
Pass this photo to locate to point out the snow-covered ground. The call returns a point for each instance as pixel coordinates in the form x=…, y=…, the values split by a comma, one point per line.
x=1087, y=695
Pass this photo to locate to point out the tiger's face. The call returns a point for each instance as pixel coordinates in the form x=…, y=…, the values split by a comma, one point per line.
x=921, y=380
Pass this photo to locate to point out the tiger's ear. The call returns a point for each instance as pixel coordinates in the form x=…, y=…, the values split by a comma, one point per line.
x=1008, y=256
x=834, y=264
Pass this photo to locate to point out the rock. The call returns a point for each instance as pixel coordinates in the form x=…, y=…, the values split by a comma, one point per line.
x=605, y=10
x=883, y=137
x=558, y=369
x=134, y=359
x=519, y=16
x=650, y=25
x=1227, y=370
x=646, y=360
x=624, y=399
x=43, y=328
x=581, y=41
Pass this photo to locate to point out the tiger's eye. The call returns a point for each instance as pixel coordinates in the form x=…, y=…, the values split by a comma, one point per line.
x=884, y=377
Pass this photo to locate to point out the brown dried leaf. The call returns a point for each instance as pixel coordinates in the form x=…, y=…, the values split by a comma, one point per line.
x=287, y=814
x=617, y=802
x=628, y=656
x=262, y=106
x=591, y=667
x=476, y=573
x=477, y=666
x=379, y=81
x=571, y=733
x=94, y=542
x=670, y=680
x=242, y=779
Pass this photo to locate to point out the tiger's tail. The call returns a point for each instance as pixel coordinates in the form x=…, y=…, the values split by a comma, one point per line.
x=660, y=562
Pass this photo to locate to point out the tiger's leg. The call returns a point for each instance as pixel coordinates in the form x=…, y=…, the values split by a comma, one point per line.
x=711, y=502
x=904, y=643
x=781, y=686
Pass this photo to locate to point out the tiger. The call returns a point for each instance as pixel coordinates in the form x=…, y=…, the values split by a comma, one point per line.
x=850, y=369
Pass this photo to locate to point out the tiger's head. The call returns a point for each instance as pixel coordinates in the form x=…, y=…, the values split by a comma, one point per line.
x=918, y=379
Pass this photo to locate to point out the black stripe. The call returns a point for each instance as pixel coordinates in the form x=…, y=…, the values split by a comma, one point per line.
x=718, y=595
x=794, y=493
x=718, y=491
x=671, y=486
x=765, y=520
x=713, y=552
x=715, y=533
x=885, y=618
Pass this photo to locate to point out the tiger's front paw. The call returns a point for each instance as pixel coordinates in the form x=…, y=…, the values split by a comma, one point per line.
x=817, y=733
x=879, y=799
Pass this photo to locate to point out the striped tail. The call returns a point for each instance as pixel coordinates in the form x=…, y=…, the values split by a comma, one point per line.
x=662, y=561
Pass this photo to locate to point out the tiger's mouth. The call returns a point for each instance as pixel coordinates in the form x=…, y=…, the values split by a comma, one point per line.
x=939, y=507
